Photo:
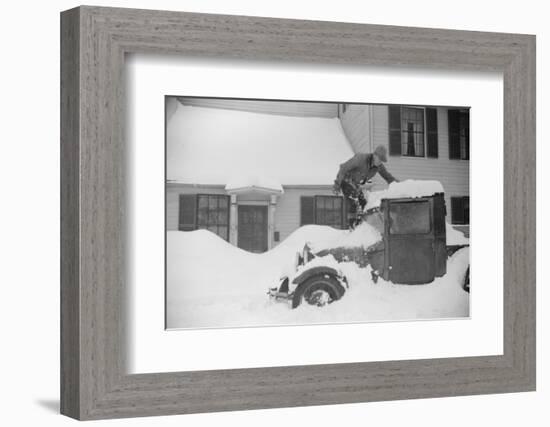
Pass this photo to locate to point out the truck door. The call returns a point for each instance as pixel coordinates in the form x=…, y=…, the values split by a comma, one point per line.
x=410, y=257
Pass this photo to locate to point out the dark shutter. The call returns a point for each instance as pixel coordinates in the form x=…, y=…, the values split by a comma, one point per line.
x=457, y=210
x=466, y=209
x=467, y=131
x=454, y=134
x=187, y=212
x=395, y=129
x=431, y=124
x=307, y=210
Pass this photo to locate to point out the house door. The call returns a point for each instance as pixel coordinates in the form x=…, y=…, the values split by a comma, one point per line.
x=252, y=231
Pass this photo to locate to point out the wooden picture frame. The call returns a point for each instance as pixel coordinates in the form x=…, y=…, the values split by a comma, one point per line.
x=94, y=40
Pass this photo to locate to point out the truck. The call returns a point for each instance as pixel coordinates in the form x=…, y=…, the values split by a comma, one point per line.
x=412, y=250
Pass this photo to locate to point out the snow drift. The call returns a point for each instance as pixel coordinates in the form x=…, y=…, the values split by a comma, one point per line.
x=211, y=283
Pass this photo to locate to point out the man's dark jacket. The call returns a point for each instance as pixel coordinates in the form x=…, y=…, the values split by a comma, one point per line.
x=361, y=168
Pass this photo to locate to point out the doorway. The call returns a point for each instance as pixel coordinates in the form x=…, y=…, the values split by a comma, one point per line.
x=252, y=228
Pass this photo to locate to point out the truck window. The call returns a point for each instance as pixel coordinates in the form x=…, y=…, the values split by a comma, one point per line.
x=410, y=217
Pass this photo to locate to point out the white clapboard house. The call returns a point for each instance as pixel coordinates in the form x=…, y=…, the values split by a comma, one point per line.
x=254, y=171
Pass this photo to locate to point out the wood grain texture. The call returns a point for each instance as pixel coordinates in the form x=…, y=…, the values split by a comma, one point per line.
x=70, y=292
x=94, y=383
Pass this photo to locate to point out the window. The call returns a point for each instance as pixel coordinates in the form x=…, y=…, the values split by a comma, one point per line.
x=328, y=211
x=410, y=217
x=413, y=131
x=460, y=210
x=459, y=134
x=322, y=210
x=213, y=214
x=204, y=211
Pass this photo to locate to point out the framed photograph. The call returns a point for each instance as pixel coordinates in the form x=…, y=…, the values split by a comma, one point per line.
x=346, y=210
x=312, y=202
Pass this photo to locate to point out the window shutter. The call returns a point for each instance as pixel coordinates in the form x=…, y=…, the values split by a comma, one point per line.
x=307, y=210
x=454, y=134
x=431, y=124
x=187, y=212
x=394, y=124
x=457, y=210
x=466, y=209
x=467, y=124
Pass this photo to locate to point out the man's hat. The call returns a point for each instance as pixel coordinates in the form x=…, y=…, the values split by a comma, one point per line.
x=381, y=152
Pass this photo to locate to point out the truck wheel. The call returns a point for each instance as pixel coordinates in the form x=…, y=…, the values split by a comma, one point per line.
x=318, y=290
x=466, y=283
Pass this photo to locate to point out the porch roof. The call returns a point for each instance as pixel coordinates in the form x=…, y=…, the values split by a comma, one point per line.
x=254, y=183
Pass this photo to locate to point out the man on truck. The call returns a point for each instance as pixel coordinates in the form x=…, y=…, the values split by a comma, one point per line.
x=356, y=174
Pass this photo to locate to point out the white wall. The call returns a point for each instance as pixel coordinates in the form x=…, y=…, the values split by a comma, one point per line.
x=30, y=244
x=356, y=124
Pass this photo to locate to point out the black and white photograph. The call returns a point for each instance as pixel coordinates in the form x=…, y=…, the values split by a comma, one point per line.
x=296, y=212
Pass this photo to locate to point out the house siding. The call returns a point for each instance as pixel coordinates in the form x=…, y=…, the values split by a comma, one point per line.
x=287, y=212
x=356, y=124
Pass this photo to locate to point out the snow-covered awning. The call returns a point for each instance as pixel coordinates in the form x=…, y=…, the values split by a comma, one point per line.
x=213, y=146
x=254, y=184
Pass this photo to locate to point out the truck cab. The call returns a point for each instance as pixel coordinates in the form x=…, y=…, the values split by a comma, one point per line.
x=412, y=250
x=414, y=237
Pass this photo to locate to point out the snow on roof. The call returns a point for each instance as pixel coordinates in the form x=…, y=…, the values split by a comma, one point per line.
x=216, y=146
x=409, y=188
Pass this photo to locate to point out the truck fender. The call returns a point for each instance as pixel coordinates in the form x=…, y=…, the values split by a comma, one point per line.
x=324, y=278
x=318, y=271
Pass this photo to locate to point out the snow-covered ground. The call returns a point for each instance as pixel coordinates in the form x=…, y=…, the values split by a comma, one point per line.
x=211, y=283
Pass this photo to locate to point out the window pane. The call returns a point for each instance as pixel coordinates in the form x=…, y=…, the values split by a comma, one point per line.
x=212, y=202
x=222, y=217
x=203, y=216
x=412, y=138
x=213, y=214
x=222, y=232
x=328, y=211
x=212, y=217
x=410, y=217
x=203, y=202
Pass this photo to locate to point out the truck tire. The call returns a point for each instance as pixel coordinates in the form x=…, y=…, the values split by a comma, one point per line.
x=318, y=290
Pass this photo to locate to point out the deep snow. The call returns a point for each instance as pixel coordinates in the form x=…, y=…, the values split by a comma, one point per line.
x=211, y=283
